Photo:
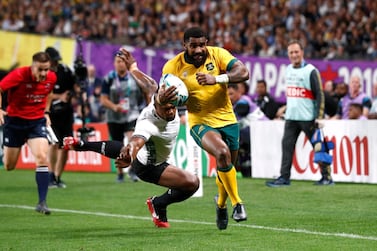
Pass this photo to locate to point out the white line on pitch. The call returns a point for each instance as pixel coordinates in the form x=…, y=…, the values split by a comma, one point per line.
x=302, y=231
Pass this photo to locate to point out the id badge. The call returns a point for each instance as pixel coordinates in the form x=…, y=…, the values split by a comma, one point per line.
x=125, y=102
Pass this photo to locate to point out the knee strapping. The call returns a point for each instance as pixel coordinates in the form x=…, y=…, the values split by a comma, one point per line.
x=225, y=169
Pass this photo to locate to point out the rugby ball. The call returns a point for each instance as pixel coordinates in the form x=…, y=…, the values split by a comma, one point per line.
x=182, y=92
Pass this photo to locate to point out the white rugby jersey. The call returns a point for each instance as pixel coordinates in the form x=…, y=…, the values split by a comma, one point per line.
x=160, y=135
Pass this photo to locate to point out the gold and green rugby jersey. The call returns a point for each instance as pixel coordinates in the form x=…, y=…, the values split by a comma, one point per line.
x=207, y=104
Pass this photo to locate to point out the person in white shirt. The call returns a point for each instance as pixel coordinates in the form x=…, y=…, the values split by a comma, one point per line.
x=148, y=151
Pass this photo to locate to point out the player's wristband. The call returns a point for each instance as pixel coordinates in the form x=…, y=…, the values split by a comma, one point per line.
x=158, y=99
x=222, y=79
x=133, y=67
x=47, y=112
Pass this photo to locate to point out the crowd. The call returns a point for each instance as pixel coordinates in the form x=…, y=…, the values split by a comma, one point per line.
x=328, y=29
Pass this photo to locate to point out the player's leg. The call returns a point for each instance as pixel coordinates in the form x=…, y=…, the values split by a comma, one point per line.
x=39, y=149
x=53, y=148
x=180, y=180
x=197, y=135
x=117, y=131
x=213, y=143
x=239, y=212
x=61, y=131
x=226, y=155
x=13, y=138
x=181, y=185
x=108, y=148
x=62, y=156
x=10, y=157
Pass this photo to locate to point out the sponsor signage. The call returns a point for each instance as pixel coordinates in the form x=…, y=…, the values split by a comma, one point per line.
x=355, y=142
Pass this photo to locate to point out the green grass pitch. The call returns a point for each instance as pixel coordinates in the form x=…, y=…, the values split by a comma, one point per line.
x=96, y=213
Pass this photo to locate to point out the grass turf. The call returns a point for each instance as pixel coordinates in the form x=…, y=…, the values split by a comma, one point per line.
x=96, y=213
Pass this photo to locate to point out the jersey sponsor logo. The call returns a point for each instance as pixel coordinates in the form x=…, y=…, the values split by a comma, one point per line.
x=35, y=98
x=210, y=66
x=299, y=92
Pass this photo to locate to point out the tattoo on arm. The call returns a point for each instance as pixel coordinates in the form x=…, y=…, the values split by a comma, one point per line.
x=238, y=73
x=147, y=84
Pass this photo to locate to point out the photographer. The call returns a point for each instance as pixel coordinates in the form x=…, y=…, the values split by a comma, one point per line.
x=61, y=116
x=124, y=94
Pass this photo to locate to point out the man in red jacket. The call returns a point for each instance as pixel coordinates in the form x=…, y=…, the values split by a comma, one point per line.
x=26, y=116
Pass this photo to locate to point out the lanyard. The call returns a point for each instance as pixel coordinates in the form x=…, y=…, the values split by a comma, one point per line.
x=119, y=87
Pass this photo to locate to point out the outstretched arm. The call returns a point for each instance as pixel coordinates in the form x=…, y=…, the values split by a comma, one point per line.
x=128, y=153
x=147, y=84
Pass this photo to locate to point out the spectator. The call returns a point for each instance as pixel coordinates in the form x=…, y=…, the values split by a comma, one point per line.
x=373, y=110
x=12, y=22
x=331, y=103
x=265, y=101
x=96, y=109
x=355, y=111
x=355, y=95
x=332, y=98
x=341, y=90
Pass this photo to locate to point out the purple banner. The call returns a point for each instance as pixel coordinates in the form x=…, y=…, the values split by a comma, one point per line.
x=272, y=70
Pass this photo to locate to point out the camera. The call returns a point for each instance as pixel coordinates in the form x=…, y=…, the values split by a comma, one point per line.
x=81, y=71
x=118, y=53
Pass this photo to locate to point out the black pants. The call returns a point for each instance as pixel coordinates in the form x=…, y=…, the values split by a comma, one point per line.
x=292, y=130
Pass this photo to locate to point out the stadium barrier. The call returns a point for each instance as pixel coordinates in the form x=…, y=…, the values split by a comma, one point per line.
x=354, y=155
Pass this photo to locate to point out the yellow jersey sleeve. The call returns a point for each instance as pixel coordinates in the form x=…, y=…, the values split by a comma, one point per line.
x=207, y=104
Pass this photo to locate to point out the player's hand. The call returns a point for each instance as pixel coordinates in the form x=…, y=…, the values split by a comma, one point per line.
x=128, y=59
x=205, y=79
x=166, y=95
x=48, y=120
x=125, y=158
x=2, y=114
x=120, y=163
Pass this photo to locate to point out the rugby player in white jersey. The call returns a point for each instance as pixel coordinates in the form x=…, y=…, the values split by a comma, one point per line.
x=148, y=151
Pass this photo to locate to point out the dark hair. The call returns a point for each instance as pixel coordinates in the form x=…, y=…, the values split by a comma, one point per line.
x=233, y=86
x=295, y=41
x=41, y=57
x=53, y=53
x=357, y=106
x=195, y=32
x=262, y=81
x=236, y=86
